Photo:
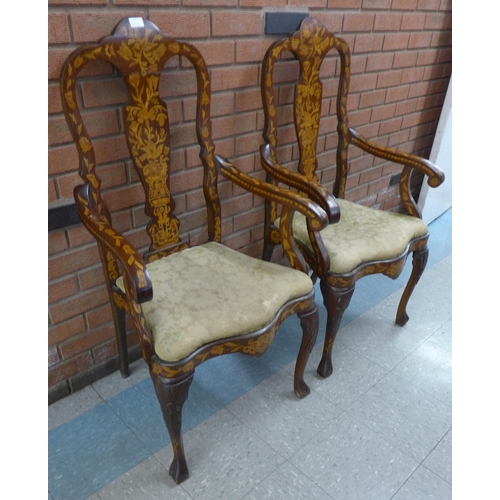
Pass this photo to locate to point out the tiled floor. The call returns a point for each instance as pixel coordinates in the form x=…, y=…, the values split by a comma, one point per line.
x=379, y=428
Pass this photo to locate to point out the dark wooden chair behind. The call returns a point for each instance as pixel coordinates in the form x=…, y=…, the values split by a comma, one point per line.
x=363, y=240
x=188, y=304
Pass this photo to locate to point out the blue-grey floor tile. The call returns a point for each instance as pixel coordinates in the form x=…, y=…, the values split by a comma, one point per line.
x=88, y=452
x=440, y=240
x=139, y=408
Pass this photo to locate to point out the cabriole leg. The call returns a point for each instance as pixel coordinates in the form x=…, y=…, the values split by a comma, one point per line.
x=419, y=263
x=172, y=394
x=309, y=321
x=336, y=301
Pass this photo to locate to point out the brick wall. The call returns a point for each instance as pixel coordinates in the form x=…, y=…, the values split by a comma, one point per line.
x=401, y=66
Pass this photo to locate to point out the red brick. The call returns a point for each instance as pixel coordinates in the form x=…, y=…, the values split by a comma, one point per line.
x=52, y=191
x=182, y=24
x=209, y=3
x=427, y=57
x=419, y=89
x=248, y=99
x=332, y=20
x=67, y=369
x=216, y=52
x=368, y=176
x=405, y=59
x=420, y=40
x=66, y=330
x=390, y=126
x=58, y=31
x=221, y=104
x=428, y=4
x=233, y=125
x=54, y=98
x=362, y=83
x=123, y=197
x=413, y=22
x=56, y=58
x=66, y=184
x=63, y=159
x=248, y=219
x=57, y=242
x=230, y=23
x=251, y=50
x=111, y=149
x=72, y=261
x=312, y=4
x=441, y=39
x=379, y=62
x=404, y=4
x=397, y=94
x=387, y=21
x=412, y=75
x=78, y=304
x=370, y=99
x=396, y=41
x=152, y=3
x=78, y=2
x=99, y=315
x=383, y=112
x=91, y=278
x=406, y=107
x=249, y=143
x=237, y=240
x=358, y=22
x=91, y=26
x=444, y=55
x=389, y=79
x=262, y=3
x=87, y=341
x=62, y=289
x=438, y=21
x=398, y=138
x=344, y=4
x=377, y=4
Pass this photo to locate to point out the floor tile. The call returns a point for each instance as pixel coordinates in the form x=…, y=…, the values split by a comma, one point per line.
x=439, y=459
x=147, y=481
x=440, y=240
x=428, y=309
x=90, y=451
x=226, y=459
x=404, y=415
x=287, y=483
x=139, y=408
x=353, y=374
x=279, y=417
x=350, y=462
x=428, y=367
x=113, y=384
x=424, y=485
x=71, y=406
x=443, y=336
x=379, y=339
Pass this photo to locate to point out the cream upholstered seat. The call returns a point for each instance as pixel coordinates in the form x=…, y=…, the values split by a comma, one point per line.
x=362, y=235
x=213, y=292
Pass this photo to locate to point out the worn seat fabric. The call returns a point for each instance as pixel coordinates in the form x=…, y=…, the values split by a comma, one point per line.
x=214, y=292
x=362, y=235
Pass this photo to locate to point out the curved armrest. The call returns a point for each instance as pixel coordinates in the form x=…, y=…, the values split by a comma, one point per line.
x=314, y=190
x=312, y=211
x=132, y=262
x=435, y=174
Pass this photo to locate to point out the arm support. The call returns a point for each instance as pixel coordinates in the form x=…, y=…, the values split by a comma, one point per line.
x=315, y=191
x=132, y=262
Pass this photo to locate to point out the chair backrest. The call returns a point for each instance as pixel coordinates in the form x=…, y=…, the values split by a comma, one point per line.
x=139, y=51
x=309, y=45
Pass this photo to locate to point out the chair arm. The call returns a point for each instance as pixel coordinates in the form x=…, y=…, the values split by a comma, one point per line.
x=312, y=211
x=313, y=189
x=130, y=259
x=435, y=174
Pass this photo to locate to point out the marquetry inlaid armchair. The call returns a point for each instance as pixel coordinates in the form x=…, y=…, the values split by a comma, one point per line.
x=188, y=303
x=363, y=240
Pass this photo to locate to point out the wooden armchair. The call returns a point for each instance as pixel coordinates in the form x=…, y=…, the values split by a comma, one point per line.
x=188, y=304
x=362, y=241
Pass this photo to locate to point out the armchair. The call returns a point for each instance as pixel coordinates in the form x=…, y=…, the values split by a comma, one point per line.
x=358, y=240
x=188, y=303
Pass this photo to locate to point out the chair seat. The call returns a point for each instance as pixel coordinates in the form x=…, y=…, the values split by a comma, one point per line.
x=211, y=292
x=363, y=235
